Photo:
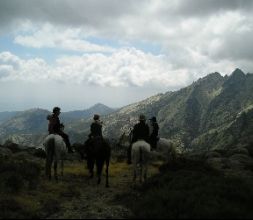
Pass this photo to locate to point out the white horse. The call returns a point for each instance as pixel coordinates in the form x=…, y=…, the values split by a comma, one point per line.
x=167, y=148
x=140, y=156
x=56, y=151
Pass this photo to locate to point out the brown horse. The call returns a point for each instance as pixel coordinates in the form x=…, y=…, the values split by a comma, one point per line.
x=98, y=152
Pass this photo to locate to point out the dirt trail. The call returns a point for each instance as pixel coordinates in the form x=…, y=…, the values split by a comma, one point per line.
x=85, y=199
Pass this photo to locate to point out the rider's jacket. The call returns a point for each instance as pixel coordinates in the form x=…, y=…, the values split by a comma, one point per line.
x=54, y=124
x=140, y=131
x=96, y=129
x=155, y=130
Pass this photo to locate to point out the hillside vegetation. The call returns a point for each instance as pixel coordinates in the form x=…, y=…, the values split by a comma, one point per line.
x=191, y=186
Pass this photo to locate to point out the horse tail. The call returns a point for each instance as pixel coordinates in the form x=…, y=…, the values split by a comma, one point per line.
x=50, y=150
x=141, y=155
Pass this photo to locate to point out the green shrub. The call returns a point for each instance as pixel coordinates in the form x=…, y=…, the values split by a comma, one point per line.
x=50, y=207
x=13, y=171
x=10, y=208
x=14, y=182
x=192, y=190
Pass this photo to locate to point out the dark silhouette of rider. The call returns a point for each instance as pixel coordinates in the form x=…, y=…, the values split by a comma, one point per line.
x=153, y=138
x=55, y=127
x=140, y=132
x=96, y=127
x=95, y=133
x=95, y=130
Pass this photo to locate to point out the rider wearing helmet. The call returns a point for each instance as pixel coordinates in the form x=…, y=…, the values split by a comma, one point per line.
x=96, y=127
x=55, y=127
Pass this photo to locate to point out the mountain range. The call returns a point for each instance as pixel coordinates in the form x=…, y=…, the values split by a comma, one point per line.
x=30, y=127
x=215, y=112
x=4, y=116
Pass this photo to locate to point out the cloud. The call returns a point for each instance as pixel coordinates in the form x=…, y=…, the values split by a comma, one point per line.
x=66, y=12
x=49, y=36
x=127, y=67
x=199, y=8
x=13, y=67
x=7, y=58
x=195, y=37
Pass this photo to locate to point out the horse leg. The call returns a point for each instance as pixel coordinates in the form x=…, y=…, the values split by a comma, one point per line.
x=141, y=163
x=49, y=161
x=145, y=164
x=145, y=171
x=48, y=169
x=62, y=167
x=99, y=164
x=55, y=171
x=107, y=172
x=141, y=171
x=134, y=155
x=90, y=164
x=135, y=167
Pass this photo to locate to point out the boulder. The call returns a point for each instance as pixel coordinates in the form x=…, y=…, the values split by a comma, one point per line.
x=15, y=148
x=241, y=161
x=213, y=154
x=218, y=163
x=5, y=152
x=39, y=152
x=238, y=150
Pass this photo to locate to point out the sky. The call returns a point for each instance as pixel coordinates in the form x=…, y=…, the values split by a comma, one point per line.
x=76, y=53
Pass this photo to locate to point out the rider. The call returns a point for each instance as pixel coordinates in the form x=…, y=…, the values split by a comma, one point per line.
x=140, y=132
x=95, y=130
x=96, y=127
x=153, y=138
x=55, y=127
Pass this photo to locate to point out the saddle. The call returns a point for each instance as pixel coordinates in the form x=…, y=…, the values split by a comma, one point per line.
x=92, y=142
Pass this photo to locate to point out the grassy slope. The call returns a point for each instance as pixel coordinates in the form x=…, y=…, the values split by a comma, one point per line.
x=74, y=196
x=184, y=188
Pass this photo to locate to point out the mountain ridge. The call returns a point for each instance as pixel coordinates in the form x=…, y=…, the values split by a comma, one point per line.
x=190, y=115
